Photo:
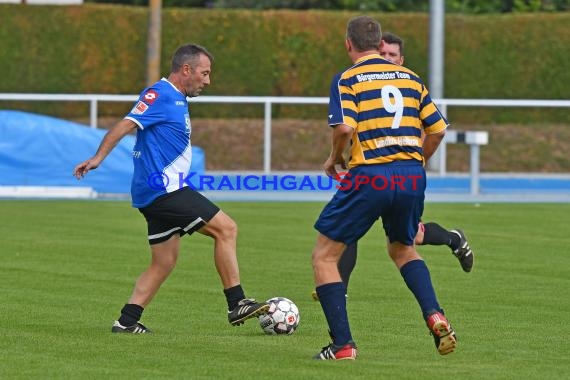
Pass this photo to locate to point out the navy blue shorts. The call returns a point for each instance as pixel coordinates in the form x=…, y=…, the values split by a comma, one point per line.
x=394, y=192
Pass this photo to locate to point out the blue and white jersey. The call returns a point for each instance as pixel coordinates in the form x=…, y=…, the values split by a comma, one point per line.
x=162, y=153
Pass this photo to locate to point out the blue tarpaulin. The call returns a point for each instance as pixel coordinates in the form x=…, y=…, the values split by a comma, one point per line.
x=37, y=150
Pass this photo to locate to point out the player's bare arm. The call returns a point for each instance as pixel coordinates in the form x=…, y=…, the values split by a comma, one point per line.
x=111, y=139
x=341, y=136
x=431, y=142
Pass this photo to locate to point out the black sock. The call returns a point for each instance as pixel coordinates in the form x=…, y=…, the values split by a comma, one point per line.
x=455, y=241
x=233, y=296
x=434, y=234
x=130, y=314
x=347, y=262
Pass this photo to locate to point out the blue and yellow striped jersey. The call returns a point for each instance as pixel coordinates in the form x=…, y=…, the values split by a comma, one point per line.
x=388, y=106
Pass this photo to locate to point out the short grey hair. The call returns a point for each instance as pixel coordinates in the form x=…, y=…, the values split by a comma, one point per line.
x=188, y=54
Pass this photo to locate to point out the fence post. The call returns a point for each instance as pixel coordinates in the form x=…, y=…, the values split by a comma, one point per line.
x=267, y=138
x=475, y=187
x=93, y=113
x=474, y=139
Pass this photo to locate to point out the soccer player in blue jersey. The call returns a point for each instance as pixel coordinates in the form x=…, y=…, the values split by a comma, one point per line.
x=429, y=233
x=381, y=110
x=162, y=156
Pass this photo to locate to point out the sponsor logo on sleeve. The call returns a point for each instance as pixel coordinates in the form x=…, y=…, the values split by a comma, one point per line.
x=150, y=96
x=139, y=108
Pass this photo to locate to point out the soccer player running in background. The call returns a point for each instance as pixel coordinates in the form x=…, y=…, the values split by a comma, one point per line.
x=431, y=233
x=162, y=153
x=381, y=110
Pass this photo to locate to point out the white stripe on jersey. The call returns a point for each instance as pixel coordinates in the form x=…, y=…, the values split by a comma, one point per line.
x=135, y=121
x=180, y=167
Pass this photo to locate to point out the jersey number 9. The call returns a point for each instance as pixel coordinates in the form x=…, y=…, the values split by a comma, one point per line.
x=397, y=107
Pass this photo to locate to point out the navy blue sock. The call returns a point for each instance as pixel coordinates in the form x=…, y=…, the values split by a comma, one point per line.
x=333, y=302
x=416, y=275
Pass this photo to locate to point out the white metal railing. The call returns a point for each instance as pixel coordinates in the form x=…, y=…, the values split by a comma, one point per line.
x=268, y=101
x=439, y=157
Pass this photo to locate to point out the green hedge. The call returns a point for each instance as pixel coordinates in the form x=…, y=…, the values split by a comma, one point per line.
x=98, y=48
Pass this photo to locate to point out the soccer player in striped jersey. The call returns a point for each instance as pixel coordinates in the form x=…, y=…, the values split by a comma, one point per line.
x=162, y=157
x=381, y=110
x=430, y=233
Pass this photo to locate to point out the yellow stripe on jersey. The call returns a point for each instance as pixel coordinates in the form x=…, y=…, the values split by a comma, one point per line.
x=389, y=107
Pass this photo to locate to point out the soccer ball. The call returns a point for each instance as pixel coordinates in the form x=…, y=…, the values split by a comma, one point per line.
x=281, y=318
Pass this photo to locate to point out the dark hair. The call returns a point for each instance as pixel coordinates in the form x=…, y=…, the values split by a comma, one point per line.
x=364, y=33
x=188, y=54
x=391, y=38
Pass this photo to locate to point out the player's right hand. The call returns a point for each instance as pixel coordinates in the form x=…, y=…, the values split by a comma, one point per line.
x=84, y=167
x=332, y=167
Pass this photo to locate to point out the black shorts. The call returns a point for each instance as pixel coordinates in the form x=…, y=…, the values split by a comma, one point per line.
x=180, y=212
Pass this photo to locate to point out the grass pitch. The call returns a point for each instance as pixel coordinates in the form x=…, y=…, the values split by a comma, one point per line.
x=67, y=267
